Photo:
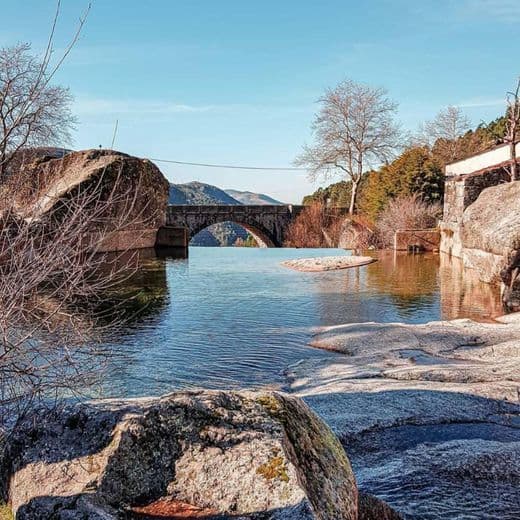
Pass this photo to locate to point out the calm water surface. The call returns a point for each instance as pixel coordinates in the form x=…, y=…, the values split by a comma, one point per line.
x=234, y=317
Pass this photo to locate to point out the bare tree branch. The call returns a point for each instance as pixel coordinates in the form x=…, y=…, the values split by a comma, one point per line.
x=512, y=136
x=53, y=274
x=443, y=133
x=32, y=111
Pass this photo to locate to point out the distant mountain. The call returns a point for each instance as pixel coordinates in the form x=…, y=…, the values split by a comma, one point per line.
x=224, y=234
x=199, y=193
x=248, y=197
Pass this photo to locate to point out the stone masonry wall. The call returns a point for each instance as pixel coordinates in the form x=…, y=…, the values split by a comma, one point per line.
x=459, y=193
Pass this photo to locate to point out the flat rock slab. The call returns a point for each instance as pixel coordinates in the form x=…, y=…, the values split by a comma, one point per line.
x=429, y=414
x=328, y=263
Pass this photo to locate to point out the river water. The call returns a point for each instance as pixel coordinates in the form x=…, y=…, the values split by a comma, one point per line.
x=235, y=318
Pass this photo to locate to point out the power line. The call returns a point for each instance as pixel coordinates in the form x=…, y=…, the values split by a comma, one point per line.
x=229, y=166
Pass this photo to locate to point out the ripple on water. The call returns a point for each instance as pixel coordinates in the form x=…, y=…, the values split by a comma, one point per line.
x=235, y=317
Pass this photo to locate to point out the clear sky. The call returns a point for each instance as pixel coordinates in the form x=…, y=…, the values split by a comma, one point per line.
x=236, y=81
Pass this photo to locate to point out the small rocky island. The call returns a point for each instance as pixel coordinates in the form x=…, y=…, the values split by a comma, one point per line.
x=328, y=263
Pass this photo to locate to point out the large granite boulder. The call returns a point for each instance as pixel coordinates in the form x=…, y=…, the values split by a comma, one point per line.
x=491, y=239
x=136, y=187
x=247, y=455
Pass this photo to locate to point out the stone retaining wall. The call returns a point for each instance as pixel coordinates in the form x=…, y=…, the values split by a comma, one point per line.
x=423, y=239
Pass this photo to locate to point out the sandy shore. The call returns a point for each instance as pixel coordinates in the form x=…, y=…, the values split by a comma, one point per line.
x=429, y=414
x=328, y=263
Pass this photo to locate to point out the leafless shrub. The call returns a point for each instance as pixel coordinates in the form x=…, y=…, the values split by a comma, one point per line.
x=409, y=212
x=316, y=226
x=52, y=276
x=33, y=111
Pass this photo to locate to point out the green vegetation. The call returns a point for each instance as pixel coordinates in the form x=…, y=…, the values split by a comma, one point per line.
x=274, y=468
x=406, y=192
x=418, y=170
x=250, y=241
x=337, y=195
x=270, y=403
x=415, y=172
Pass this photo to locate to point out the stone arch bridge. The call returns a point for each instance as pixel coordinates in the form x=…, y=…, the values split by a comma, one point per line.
x=267, y=223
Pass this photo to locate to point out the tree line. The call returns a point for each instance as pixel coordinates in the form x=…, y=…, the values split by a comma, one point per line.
x=355, y=135
x=418, y=169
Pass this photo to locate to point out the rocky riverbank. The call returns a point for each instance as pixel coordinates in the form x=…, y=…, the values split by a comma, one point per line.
x=429, y=414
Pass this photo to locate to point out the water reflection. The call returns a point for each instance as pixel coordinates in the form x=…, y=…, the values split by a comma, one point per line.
x=464, y=295
x=410, y=280
x=142, y=292
x=234, y=317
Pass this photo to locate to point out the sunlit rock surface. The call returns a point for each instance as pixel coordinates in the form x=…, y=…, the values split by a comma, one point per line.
x=491, y=239
x=328, y=263
x=246, y=455
x=428, y=414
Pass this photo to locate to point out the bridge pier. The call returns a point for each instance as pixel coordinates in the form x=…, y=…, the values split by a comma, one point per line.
x=172, y=241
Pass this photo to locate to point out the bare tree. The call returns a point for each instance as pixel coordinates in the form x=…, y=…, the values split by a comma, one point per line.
x=53, y=272
x=512, y=135
x=33, y=112
x=353, y=130
x=443, y=132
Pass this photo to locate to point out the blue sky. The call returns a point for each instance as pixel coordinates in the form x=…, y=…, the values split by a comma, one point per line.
x=236, y=82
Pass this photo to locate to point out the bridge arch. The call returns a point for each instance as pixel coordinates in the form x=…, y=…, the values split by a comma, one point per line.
x=267, y=223
x=262, y=236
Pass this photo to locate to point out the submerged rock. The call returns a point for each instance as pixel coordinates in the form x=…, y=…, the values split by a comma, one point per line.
x=246, y=455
